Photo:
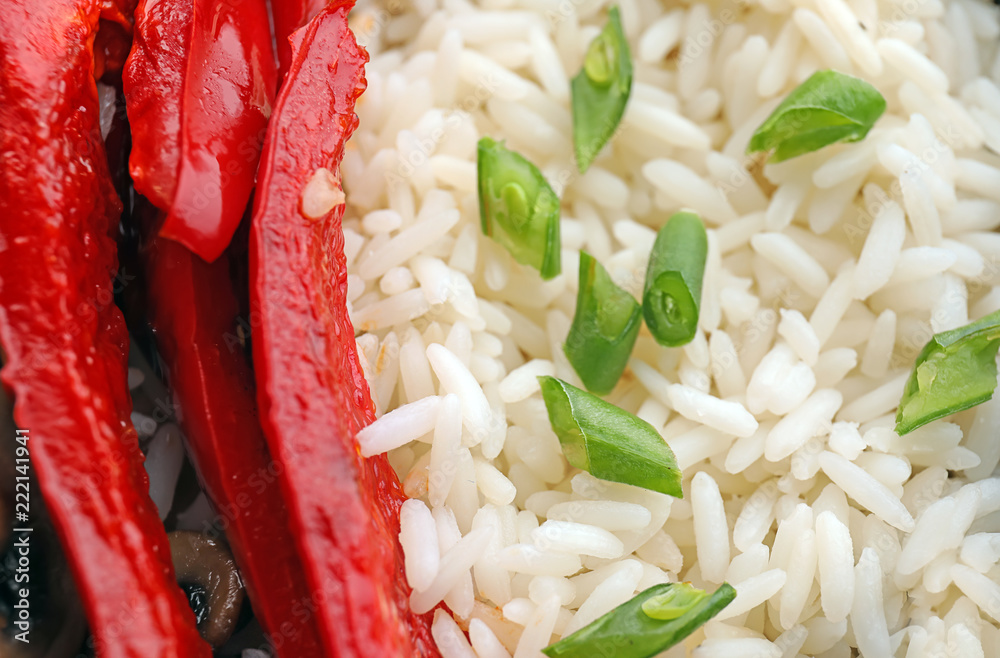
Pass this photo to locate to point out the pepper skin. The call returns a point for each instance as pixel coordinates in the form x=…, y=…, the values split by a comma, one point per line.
x=199, y=86
x=193, y=311
x=311, y=391
x=289, y=16
x=64, y=339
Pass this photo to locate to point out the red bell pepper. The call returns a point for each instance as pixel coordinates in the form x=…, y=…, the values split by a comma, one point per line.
x=199, y=85
x=311, y=391
x=194, y=313
x=289, y=16
x=64, y=339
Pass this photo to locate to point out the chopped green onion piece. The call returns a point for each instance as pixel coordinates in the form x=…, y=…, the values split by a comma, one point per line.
x=604, y=329
x=628, y=632
x=518, y=208
x=674, y=602
x=956, y=370
x=671, y=299
x=608, y=442
x=827, y=108
x=600, y=91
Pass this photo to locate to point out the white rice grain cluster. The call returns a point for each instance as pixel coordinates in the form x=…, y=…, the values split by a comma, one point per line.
x=826, y=275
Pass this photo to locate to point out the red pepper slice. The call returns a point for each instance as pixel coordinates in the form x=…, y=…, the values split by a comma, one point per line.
x=199, y=84
x=311, y=391
x=289, y=16
x=193, y=311
x=64, y=339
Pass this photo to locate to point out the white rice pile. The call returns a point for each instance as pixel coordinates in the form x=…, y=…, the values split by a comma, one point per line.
x=825, y=277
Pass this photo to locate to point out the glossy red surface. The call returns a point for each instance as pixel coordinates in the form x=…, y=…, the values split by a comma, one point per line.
x=193, y=311
x=290, y=15
x=199, y=84
x=63, y=337
x=312, y=393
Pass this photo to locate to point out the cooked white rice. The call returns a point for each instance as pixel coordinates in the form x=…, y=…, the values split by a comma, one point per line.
x=826, y=275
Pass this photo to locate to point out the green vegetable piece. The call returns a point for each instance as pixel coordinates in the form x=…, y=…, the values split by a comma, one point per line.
x=827, y=108
x=608, y=442
x=671, y=299
x=604, y=329
x=518, y=208
x=956, y=370
x=600, y=91
x=628, y=632
x=674, y=602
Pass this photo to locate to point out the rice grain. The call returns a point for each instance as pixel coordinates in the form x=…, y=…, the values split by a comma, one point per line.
x=723, y=415
x=866, y=490
x=710, y=527
x=836, y=566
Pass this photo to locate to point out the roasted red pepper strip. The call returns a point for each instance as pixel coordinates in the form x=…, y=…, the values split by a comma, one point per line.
x=193, y=311
x=64, y=339
x=199, y=84
x=289, y=16
x=312, y=393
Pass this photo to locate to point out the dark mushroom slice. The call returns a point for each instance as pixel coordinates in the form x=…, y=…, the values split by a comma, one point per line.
x=207, y=572
x=56, y=623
